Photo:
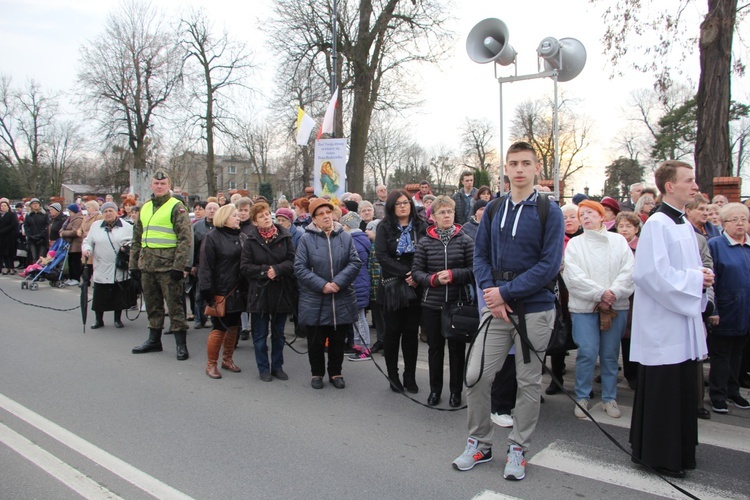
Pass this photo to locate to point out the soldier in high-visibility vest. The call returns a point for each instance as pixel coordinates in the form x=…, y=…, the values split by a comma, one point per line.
x=159, y=257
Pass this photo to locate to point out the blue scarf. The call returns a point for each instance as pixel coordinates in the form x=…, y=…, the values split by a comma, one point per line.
x=405, y=245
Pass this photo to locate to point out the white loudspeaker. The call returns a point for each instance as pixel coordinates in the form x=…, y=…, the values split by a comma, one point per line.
x=488, y=42
x=567, y=56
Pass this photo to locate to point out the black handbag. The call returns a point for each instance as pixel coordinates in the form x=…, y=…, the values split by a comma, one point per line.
x=397, y=294
x=460, y=320
x=122, y=259
x=561, y=339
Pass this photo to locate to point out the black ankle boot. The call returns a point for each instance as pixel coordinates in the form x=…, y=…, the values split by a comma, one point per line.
x=99, y=321
x=396, y=385
x=153, y=344
x=410, y=383
x=180, y=339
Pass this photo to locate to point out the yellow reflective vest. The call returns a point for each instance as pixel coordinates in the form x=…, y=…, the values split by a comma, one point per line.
x=157, y=226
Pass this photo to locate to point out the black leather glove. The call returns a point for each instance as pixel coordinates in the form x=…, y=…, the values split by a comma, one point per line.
x=176, y=275
x=135, y=274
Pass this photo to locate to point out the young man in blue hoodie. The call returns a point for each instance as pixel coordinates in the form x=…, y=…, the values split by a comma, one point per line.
x=515, y=261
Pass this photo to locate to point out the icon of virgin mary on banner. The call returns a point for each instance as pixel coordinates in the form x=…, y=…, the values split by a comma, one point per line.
x=330, y=167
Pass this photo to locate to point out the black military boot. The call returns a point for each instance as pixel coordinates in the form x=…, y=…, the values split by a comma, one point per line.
x=153, y=344
x=180, y=339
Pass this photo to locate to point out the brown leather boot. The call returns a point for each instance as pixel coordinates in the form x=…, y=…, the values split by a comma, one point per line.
x=230, y=342
x=213, y=347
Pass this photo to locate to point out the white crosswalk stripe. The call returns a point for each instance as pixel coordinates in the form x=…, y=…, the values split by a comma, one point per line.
x=576, y=459
x=493, y=495
x=567, y=457
x=709, y=431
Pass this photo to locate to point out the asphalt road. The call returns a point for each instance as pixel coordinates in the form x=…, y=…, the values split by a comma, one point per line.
x=113, y=424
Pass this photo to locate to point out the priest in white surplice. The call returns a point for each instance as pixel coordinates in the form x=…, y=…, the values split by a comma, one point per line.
x=667, y=334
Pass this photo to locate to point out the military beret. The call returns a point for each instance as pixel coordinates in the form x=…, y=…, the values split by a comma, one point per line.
x=160, y=175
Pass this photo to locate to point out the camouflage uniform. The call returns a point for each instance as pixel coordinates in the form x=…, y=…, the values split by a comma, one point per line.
x=156, y=266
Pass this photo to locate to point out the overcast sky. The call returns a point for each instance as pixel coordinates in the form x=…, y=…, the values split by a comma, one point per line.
x=42, y=40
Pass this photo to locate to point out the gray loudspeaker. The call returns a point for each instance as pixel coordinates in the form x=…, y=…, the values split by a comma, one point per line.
x=488, y=42
x=567, y=56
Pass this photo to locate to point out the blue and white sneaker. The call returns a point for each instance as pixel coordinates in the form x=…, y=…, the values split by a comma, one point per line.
x=471, y=456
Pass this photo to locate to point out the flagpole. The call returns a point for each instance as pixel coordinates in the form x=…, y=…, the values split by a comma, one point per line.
x=334, y=56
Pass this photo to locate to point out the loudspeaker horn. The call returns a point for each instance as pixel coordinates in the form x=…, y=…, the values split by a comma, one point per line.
x=566, y=55
x=488, y=42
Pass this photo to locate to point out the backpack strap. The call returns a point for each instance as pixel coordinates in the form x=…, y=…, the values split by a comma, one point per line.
x=542, y=207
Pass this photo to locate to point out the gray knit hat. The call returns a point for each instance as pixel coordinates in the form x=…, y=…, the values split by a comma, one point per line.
x=56, y=206
x=107, y=205
x=352, y=220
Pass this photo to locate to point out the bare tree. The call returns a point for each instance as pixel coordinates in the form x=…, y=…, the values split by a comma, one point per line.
x=113, y=171
x=128, y=73
x=533, y=122
x=376, y=43
x=477, y=138
x=220, y=63
x=443, y=166
x=629, y=23
x=25, y=117
x=386, y=148
x=255, y=141
x=64, y=151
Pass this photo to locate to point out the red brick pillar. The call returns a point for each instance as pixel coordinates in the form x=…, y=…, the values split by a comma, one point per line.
x=550, y=183
x=731, y=187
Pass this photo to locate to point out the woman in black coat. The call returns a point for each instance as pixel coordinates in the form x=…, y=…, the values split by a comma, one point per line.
x=395, y=244
x=443, y=266
x=8, y=237
x=219, y=275
x=268, y=266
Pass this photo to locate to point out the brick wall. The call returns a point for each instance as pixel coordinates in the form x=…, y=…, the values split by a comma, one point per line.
x=731, y=187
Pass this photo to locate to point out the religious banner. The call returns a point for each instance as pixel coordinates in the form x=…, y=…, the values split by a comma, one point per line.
x=330, y=167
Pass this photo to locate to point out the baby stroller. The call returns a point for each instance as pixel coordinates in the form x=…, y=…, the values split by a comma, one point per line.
x=52, y=271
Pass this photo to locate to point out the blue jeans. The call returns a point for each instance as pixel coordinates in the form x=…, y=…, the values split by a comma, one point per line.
x=259, y=323
x=593, y=343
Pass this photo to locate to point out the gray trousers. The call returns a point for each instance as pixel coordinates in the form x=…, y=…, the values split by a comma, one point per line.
x=500, y=336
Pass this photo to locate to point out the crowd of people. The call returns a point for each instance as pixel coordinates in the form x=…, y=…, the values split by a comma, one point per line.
x=645, y=283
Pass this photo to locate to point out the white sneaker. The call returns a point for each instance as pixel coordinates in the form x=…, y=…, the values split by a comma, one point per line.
x=578, y=412
x=71, y=282
x=502, y=420
x=611, y=408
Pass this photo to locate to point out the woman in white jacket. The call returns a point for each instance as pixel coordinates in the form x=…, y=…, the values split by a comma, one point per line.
x=111, y=285
x=599, y=275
